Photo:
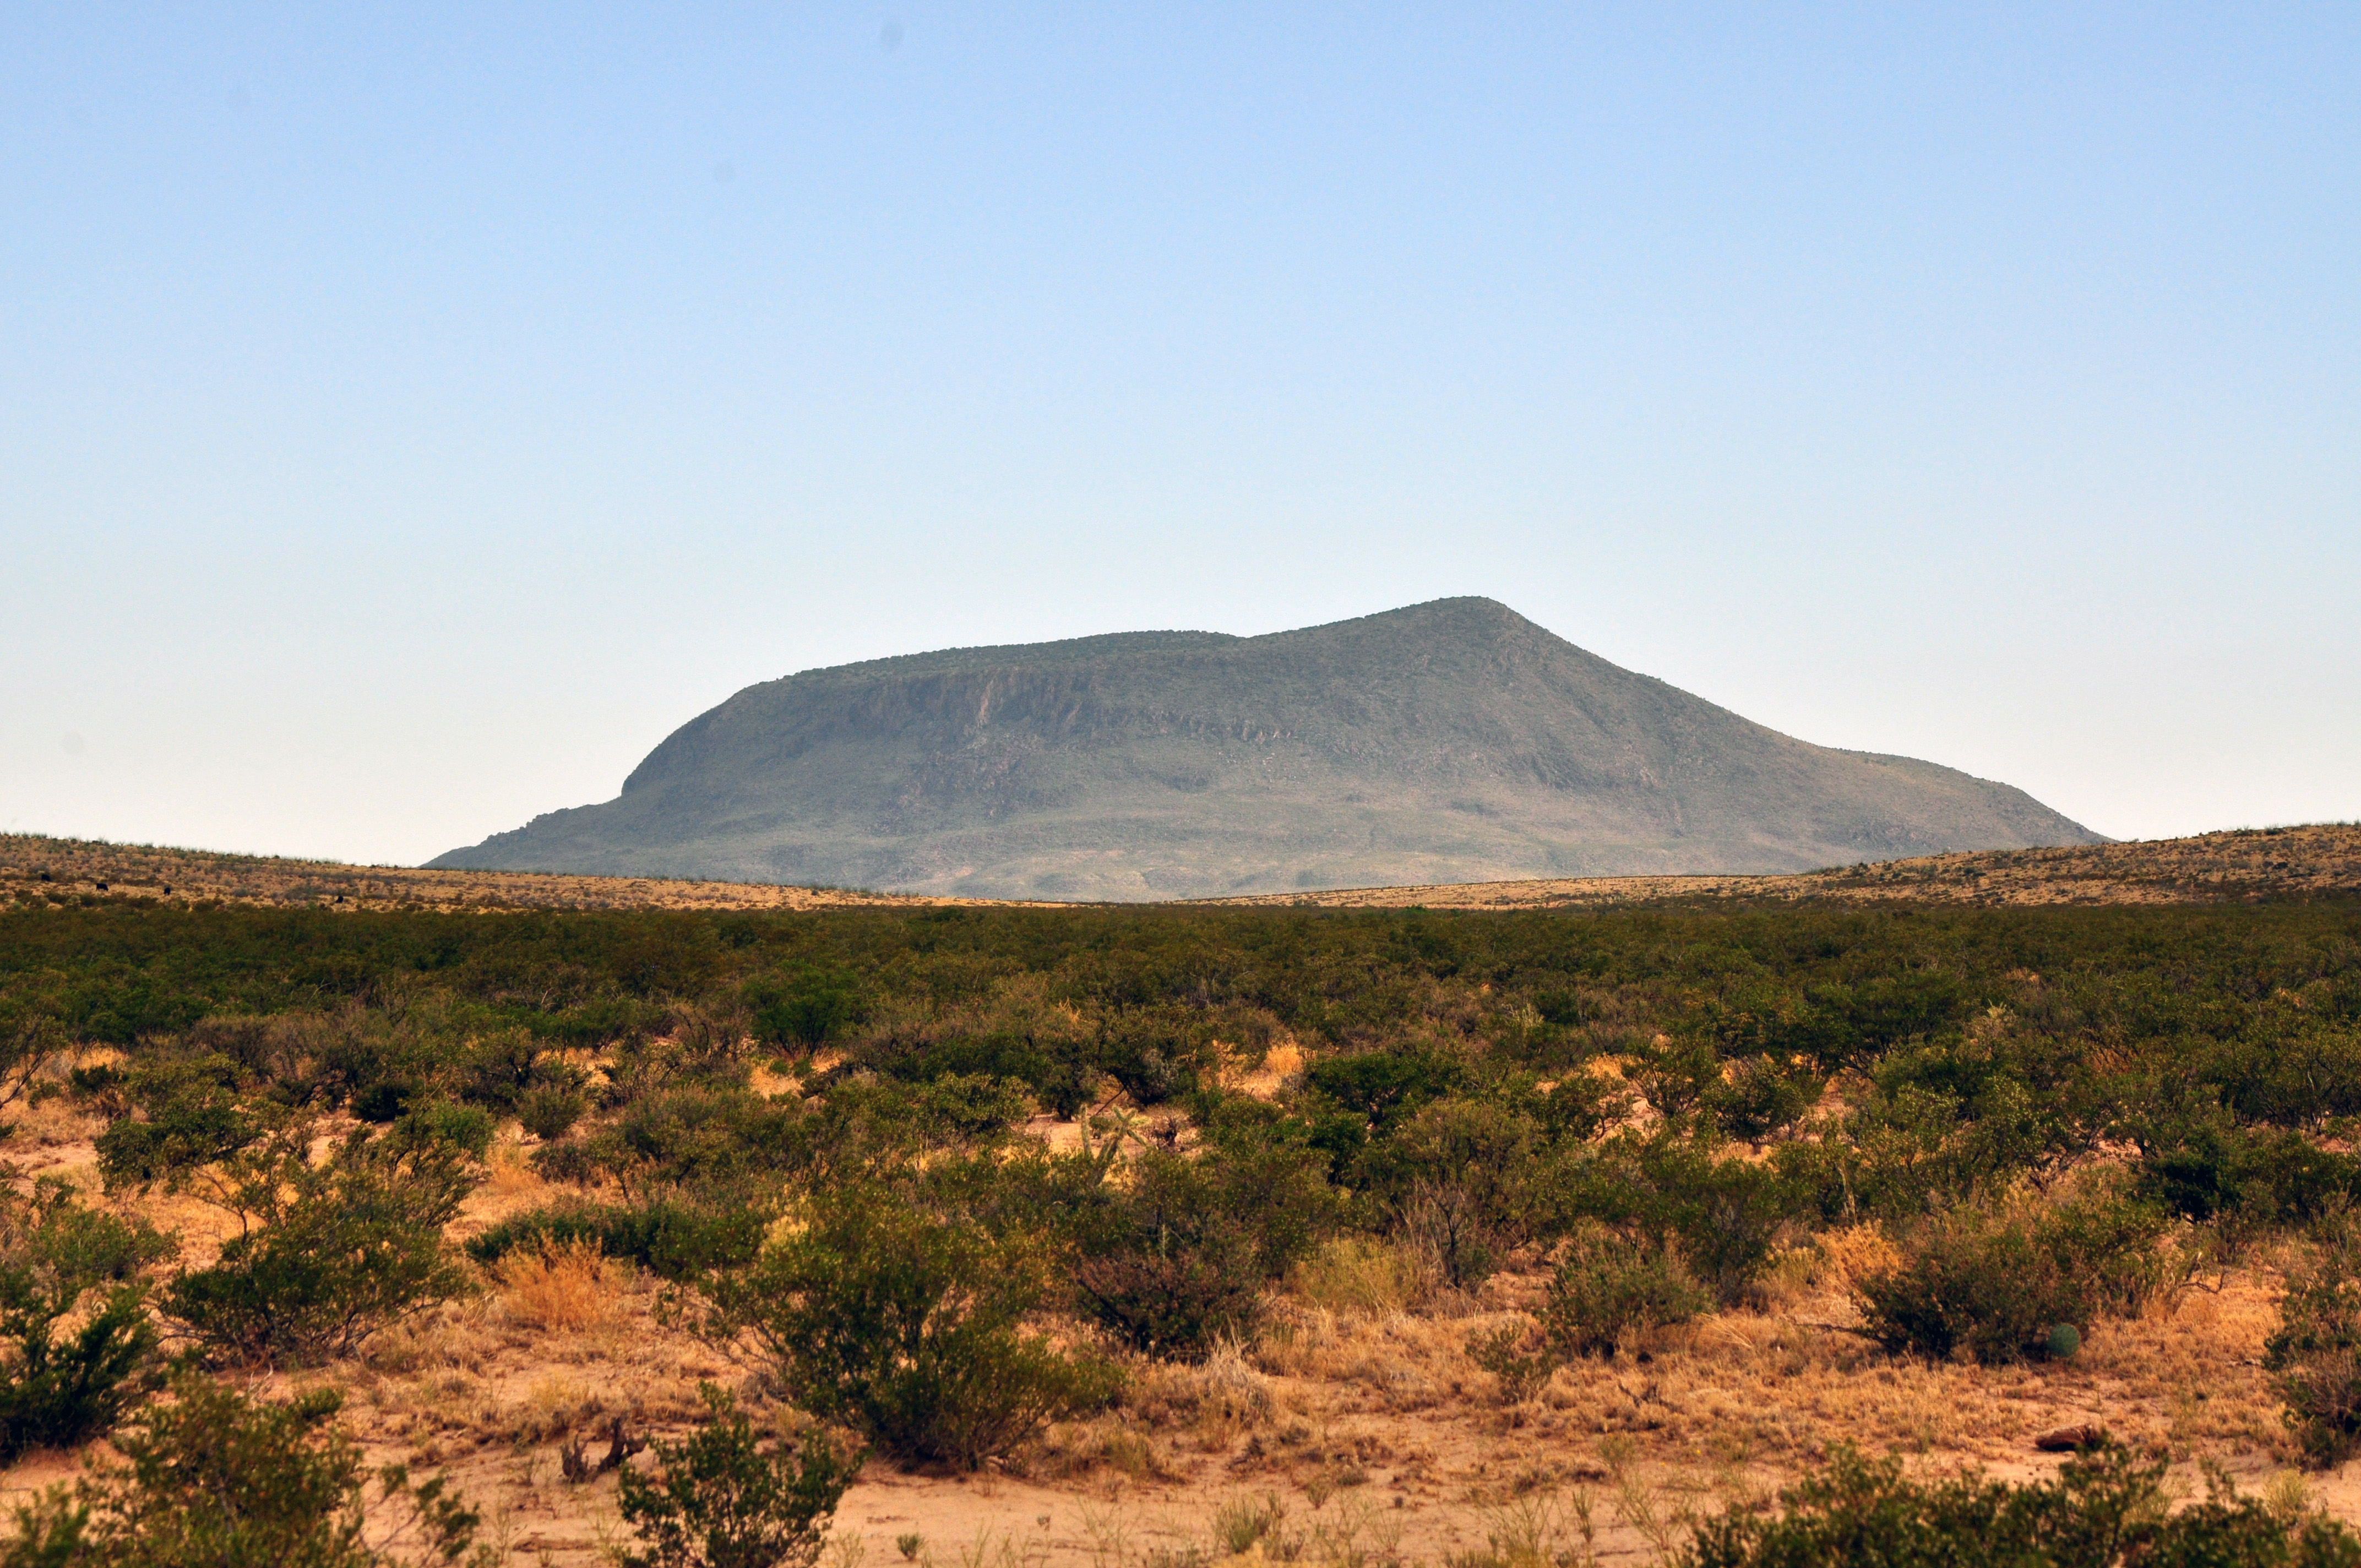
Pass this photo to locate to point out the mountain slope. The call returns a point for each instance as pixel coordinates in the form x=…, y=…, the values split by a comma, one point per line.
x=1450, y=741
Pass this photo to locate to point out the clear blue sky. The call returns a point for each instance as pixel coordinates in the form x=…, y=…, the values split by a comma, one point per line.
x=410, y=414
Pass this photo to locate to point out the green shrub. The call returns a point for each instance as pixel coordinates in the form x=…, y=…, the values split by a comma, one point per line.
x=1177, y=1249
x=1177, y=1303
x=2314, y=1358
x=1463, y=1174
x=2000, y=1286
x=1374, y=1090
x=215, y=1478
x=866, y=1127
x=697, y=1133
x=60, y=1260
x=1582, y=1105
x=494, y=1070
x=1060, y=1070
x=1610, y=1286
x=2116, y=1244
x=723, y=1502
x=498, y=1071
x=1257, y=1176
x=1519, y=1359
x=468, y=1128
x=802, y=1008
x=1764, y=1098
x=669, y=1237
x=549, y=1112
x=1677, y=1077
x=575, y=1160
x=1725, y=1213
x=383, y=1100
x=190, y=1113
x=955, y=1108
x=1444, y=1227
x=907, y=1328
x=1993, y=1286
x=1238, y=1188
x=2244, y=1180
x=102, y=1088
x=2105, y=1510
x=329, y=1253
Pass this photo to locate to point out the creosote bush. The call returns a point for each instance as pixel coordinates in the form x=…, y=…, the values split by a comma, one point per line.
x=1180, y=1247
x=1610, y=1286
x=60, y=1387
x=2314, y=1358
x=1998, y=1285
x=210, y=1478
x=1177, y=1302
x=328, y=1252
x=669, y=1237
x=1970, y=1282
x=2107, y=1509
x=181, y=1113
x=907, y=1327
x=722, y=1501
x=549, y=1112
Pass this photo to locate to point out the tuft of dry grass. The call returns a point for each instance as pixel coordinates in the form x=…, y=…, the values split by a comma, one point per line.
x=1848, y=1256
x=507, y=1173
x=1357, y=1276
x=571, y=1286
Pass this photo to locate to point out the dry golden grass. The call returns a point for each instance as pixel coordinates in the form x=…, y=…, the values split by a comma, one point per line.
x=1355, y=1275
x=507, y=1174
x=1840, y=1259
x=1264, y=1080
x=567, y=1286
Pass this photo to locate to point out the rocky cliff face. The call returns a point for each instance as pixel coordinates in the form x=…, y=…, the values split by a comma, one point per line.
x=1448, y=741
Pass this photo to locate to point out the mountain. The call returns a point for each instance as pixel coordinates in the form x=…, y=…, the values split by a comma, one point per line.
x=1450, y=741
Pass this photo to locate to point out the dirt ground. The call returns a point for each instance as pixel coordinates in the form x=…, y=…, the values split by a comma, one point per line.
x=1355, y=1413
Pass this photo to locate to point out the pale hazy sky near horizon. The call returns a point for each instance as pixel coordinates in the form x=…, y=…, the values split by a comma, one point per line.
x=411, y=414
